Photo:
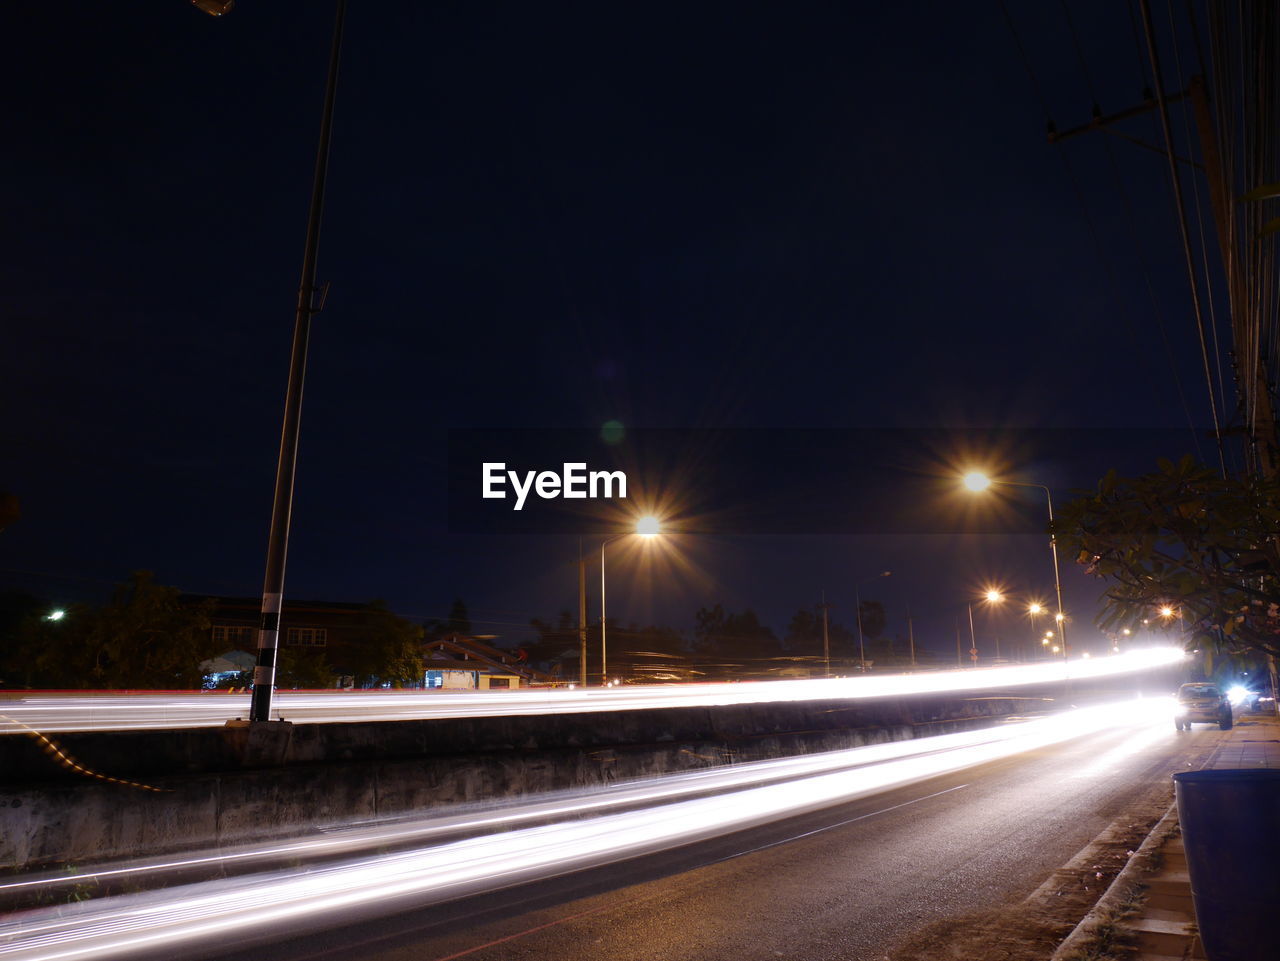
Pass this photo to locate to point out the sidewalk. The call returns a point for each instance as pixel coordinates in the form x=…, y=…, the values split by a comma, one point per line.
x=1164, y=928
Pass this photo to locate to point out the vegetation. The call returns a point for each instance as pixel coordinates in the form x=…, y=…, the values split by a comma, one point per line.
x=145, y=637
x=1188, y=540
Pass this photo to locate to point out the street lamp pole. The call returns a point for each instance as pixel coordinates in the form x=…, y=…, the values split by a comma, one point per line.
x=826, y=638
x=264, y=674
x=645, y=527
x=973, y=638
x=604, y=662
x=977, y=482
x=857, y=596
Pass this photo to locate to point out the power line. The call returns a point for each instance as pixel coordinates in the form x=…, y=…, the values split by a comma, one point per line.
x=1182, y=223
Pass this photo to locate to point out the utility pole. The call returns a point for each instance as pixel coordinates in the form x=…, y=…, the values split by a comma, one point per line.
x=310, y=301
x=826, y=640
x=582, y=617
x=911, y=638
x=862, y=652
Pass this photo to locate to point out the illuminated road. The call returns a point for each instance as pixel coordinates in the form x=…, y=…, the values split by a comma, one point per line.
x=53, y=713
x=881, y=840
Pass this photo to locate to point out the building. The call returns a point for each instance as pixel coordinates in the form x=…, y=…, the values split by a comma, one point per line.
x=458, y=662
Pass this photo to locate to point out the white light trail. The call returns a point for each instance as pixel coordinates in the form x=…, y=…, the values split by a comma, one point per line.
x=108, y=712
x=279, y=903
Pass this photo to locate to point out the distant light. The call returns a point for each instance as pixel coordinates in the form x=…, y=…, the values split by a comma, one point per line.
x=1085, y=655
x=1166, y=612
x=1059, y=617
x=1048, y=634
x=648, y=527
x=1126, y=632
x=55, y=615
x=1035, y=609
x=1045, y=641
x=994, y=597
x=977, y=481
x=1056, y=648
x=1237, y=694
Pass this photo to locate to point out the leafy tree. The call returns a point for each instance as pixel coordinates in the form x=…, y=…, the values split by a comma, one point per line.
x=1184, y=537
x=387, y=648
x=722, y=633
x=554, y=638
x=804, y=635
x=144, y=638
x=873, y=619
x=303, y=667
x=459, y=621
x=21, y=626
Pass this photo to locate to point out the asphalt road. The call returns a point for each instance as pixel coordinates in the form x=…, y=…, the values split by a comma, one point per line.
x=842, y=884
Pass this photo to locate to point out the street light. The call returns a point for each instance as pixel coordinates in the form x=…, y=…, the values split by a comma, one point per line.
x=1034, y=610
x=857, y=595
x=646, y=527
x=977, y=481
x=991, y=597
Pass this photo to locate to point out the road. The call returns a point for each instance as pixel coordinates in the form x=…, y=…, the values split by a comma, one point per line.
x=52, y=713
x=923, y=837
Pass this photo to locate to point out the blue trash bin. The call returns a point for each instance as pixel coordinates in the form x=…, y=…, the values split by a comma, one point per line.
x=1231, y=829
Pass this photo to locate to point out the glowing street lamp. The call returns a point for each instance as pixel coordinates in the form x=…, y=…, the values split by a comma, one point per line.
x=55, y=615
x=646, y=527
x=1034, y=610
x=992, y=596
x=977, y=481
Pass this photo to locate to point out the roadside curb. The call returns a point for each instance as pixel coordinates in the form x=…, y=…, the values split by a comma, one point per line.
x=1126, y=883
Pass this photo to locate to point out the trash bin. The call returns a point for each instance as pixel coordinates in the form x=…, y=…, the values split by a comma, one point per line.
x=1231, y=830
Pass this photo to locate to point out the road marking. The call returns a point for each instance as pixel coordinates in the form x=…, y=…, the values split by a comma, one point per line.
x=533, y=930
x=614, y=905
x=830, y=827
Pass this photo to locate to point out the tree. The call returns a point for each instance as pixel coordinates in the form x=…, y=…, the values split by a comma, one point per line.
x=459, y=622
x=387, y=648
x=303, y=667
x=21, y=617
x=144, y=638
x=722, y=633
x=804, y=636
x=553, y=640
x=1185, y=538
x=873, y=618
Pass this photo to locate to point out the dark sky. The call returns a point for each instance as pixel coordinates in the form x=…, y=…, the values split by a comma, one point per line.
x=742, y=215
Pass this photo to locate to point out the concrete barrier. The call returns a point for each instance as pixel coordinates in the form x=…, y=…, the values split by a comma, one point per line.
x=216, y=788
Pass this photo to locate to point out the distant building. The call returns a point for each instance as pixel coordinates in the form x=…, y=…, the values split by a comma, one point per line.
x=337, y=629
x=332, y=627
x=459, y=662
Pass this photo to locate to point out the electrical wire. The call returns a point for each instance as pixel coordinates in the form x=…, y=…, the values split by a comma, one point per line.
x=1182, y=224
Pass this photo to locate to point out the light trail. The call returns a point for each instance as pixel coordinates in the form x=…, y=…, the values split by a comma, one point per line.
x=107, y=712
x=280, y=903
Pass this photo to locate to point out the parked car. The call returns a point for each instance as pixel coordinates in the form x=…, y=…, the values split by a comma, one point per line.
x=1202, y=703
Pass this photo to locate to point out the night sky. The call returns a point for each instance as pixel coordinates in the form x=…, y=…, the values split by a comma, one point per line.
x=753, y=216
